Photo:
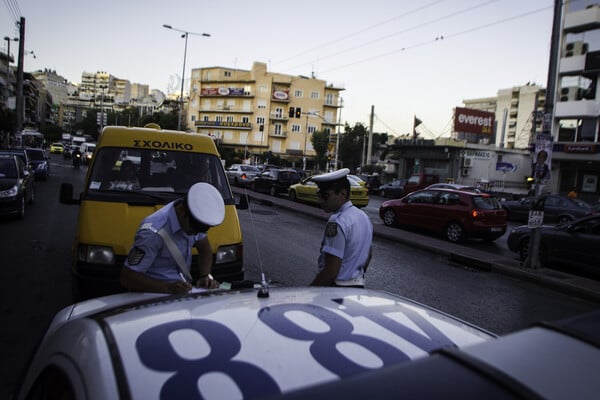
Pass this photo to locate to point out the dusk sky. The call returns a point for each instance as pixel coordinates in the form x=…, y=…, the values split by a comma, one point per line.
x=405, y=58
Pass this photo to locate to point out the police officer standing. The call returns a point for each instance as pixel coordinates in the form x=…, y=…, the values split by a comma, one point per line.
x=161, y=255
x=346, y=245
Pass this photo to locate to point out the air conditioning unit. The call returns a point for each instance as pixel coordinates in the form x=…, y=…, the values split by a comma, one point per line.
x=570, y=94
x=467, y=162
x=575, y=49
x=464, y=171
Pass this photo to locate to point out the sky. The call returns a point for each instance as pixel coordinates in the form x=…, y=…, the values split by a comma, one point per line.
x=403, y=58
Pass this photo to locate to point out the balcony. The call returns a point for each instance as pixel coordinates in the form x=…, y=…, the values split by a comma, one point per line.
x=582, y=20
x=224, y=125
x=280, y=135
x=278, y=117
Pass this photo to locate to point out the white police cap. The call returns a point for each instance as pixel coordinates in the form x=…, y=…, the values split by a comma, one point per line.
x=206, y=204
x=331, y=176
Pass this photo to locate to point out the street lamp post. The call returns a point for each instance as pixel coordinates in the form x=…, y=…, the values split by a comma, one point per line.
x=8, y=40
x=185, y=35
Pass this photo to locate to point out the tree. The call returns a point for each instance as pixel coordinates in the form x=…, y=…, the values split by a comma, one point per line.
x=52, y=132
x=320, y=140
x=351, y=144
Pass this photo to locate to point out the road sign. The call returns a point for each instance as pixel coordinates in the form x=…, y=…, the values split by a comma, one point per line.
x=536, y=219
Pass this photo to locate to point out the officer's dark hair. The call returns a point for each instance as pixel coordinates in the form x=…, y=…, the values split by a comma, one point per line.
x=337, y=186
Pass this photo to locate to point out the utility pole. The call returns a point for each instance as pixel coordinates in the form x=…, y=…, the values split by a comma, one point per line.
x=20, y=100
x=370, y=143
x=337, y=137
x=533, y=260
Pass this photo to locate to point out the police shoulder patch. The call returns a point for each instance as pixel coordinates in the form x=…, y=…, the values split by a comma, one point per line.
x=331, y=229
x=135, y=256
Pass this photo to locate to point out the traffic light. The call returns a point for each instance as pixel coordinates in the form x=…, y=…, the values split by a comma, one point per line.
x=298, y=112
x=292, y=112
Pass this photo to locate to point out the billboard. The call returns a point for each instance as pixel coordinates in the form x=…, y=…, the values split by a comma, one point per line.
x=468, y=120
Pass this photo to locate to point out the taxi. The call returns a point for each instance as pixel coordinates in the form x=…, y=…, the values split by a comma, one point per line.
x=57, y=148
x=306, y=191
x=300, y=343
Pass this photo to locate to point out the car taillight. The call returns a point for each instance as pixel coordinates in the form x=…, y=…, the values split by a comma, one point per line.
x=475, y=214
x=244, y=176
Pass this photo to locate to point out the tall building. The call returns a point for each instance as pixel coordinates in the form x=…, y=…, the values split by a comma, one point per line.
x=575, y=129
x=257, y=111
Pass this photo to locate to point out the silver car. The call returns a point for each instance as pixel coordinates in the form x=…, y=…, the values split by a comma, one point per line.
x=301, y=343
x=241, y=174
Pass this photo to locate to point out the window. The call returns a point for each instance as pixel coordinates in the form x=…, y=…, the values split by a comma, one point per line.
x=298, y=93
x=227, y=73
x=312, y=129
x=296, y=128
x=315, y=95
x=219, y=118
x=193, y=118
x=205, y=118
x=229, y=118
x=260, y=120
x=277, y=130
x=245, y=120
x=329, y=99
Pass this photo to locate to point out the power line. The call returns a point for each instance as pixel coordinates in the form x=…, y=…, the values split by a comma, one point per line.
x=386, y=125
x=433, y=21
x=13, y=9
x=377, y=25
x=442, y=37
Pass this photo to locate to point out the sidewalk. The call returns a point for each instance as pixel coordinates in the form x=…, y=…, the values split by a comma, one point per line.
x=554, y=279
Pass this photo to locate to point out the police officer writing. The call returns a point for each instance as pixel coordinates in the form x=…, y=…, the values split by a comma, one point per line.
x=346, y=245
x=161, y=255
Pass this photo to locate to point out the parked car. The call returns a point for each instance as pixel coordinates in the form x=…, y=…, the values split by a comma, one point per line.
x=40, y=163
x=372, y=182
x=454, y=186
x=455, y=214
x=557, y=209
x=241, y=174
x=21, y=153
x=393, y=189
x=419, y=181
x=275, y=181
x=57, y=148
x=16, y=186
x=356, y=179
x=306, y=191
x=342, y=343
x=572, y=244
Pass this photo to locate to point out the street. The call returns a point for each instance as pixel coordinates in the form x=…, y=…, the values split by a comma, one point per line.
x=282, y=244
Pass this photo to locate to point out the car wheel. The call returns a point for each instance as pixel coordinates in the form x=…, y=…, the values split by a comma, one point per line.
x=273, y=191
x=524, y=249
x=389, y=218
x=293, y=196
x=382, y=193
x=454, y=232
x=564, y=219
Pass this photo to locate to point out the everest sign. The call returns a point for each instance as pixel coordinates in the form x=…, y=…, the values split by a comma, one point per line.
x=473, y=121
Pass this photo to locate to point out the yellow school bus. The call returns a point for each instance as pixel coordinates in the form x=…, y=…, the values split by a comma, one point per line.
x=166, y=163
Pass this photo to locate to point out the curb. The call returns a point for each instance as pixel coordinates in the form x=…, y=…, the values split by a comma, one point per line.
x=588, y=289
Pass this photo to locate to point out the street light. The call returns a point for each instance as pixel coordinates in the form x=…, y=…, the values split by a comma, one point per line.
x=185, y=35
x=8, y=40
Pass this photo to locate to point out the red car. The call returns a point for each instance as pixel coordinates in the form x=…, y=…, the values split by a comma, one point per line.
x=455, y=214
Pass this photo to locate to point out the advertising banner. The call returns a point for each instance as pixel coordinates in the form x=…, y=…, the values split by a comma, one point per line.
x=473, y=121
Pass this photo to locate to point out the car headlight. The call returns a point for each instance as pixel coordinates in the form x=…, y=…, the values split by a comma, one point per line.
x=12, y=192
x=96, y=254
x=227, y=254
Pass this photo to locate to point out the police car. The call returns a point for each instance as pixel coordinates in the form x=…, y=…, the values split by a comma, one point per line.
x=298, y=343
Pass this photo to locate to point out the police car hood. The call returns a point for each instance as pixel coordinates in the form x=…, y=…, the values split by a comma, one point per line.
x=232, y=343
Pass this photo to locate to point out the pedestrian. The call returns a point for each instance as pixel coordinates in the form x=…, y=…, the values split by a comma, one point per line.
x=346, y=246
x=572, y=194
x=160, y=258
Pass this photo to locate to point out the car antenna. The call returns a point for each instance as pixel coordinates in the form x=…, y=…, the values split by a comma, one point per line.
x=264, y=285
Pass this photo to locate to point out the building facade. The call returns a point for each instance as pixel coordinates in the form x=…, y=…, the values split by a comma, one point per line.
x=257, y=111
x=575, y=129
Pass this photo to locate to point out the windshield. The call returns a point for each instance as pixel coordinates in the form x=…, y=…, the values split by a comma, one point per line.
x=37, y=155
x=155, y=171
x=8, y=169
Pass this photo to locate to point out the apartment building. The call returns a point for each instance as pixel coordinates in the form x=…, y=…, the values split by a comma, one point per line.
x=575, y=128
x=258, y=111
